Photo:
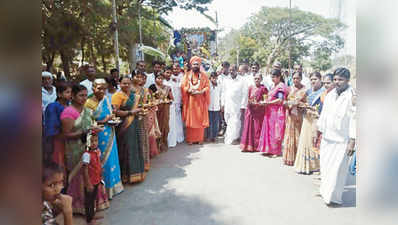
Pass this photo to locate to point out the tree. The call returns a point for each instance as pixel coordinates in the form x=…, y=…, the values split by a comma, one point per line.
x=309, y=34
x=82, y=29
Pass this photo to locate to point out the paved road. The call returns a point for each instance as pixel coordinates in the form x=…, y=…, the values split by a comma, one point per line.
x=216, y=184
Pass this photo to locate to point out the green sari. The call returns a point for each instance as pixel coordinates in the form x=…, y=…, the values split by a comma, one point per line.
x=131, y=155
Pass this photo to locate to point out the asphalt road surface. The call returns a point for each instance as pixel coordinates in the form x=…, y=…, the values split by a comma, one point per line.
x=217, y=184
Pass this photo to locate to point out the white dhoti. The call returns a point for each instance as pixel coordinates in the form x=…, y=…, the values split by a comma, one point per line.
x=334, y=164
x=233, y=126
x=176, y=131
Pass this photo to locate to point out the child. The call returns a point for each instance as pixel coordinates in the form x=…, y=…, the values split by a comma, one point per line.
x=92, y=176
x=53, y=200
x=214, y=108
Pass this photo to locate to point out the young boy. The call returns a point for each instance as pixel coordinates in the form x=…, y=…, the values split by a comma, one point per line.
x=92, y=175
x=53, y=201
x=214, y=108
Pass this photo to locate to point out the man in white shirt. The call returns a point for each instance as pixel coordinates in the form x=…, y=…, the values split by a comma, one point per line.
x=336, y=144
x=88, y=83
x=157, y=67
x=231, y=101
x=222, y=75
x=248, y=80
x=48, y=91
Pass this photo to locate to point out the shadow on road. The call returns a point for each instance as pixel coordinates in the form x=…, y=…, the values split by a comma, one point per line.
x=153, y=203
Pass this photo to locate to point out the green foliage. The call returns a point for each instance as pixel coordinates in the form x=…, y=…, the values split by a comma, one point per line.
x=265, y=38
x=77, y=31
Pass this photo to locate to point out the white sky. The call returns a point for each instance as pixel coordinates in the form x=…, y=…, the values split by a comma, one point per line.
x=235, y=13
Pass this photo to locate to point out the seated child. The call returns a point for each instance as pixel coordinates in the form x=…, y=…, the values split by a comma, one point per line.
x=53, y=201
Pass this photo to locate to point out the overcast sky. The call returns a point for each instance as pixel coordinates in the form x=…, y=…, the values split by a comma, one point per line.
x=235, y=13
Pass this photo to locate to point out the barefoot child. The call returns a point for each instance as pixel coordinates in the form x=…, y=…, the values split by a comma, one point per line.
x=53, y=201
x=92, y=176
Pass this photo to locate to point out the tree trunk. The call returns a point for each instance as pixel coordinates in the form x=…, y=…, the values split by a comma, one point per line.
x=103, y=63
x=93, y=58
x=82, y=49
x=271, y=58
x=50, y=61
x=65, y=64
x=132, y=55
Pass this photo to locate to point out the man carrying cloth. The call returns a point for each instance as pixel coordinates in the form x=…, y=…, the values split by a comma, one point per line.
x=196, y=99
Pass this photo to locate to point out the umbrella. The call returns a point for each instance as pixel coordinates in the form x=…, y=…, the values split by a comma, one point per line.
x=152, y=51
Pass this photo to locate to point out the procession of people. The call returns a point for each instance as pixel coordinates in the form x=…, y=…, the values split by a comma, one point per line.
x=100, y=135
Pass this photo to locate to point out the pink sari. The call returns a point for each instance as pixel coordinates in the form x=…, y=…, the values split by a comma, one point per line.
x=253, y=120
x=273, y=129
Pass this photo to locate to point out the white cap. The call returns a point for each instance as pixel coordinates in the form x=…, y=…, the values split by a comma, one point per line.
x=46, y=74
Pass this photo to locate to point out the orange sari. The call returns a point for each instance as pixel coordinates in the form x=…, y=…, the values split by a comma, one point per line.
x=195, y=107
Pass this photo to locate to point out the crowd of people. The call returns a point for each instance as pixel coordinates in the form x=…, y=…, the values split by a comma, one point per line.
x=101, y=134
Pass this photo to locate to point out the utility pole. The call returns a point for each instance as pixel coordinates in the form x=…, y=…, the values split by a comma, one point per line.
x=140, y=30
x=237, y=57
x=116, y=35
x=216, y=34
x=289, y=33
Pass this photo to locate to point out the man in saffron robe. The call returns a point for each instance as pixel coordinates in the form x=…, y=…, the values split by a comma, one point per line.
x=195, y=88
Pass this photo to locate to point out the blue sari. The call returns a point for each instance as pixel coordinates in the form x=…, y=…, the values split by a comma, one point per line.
x=314, y=98
x=109, y=151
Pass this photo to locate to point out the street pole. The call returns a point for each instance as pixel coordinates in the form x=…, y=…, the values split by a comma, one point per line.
x=139, y=22
x=216, y=34
x=237, y=58
x=116, y=35
x=288, y=41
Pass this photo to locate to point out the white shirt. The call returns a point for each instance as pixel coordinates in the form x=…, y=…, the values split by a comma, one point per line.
x=306, y=82
x=215, y=97
x=267, y=82
x=175, y=88
x=47, y=98
x=221, y=78
x=232, y=94
x=89, y=85
x=150, y=79
x=248, y=80
x=334, y=121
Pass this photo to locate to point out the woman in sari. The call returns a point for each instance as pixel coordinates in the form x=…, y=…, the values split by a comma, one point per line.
x=142, y=130
x=162, y=93
x=112, y=87
x=254, y=116
x=102, y=112
x=273, y=129
x=131, y=157
x=54, y=145
x=76, y=123
x=294, y=119
x=307, y=158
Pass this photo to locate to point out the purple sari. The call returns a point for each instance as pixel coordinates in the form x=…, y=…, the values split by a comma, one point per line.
x=253, y=120
x=273, y=129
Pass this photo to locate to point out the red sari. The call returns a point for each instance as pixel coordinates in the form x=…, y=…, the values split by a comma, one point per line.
x=253, y=120
x=195, y=107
